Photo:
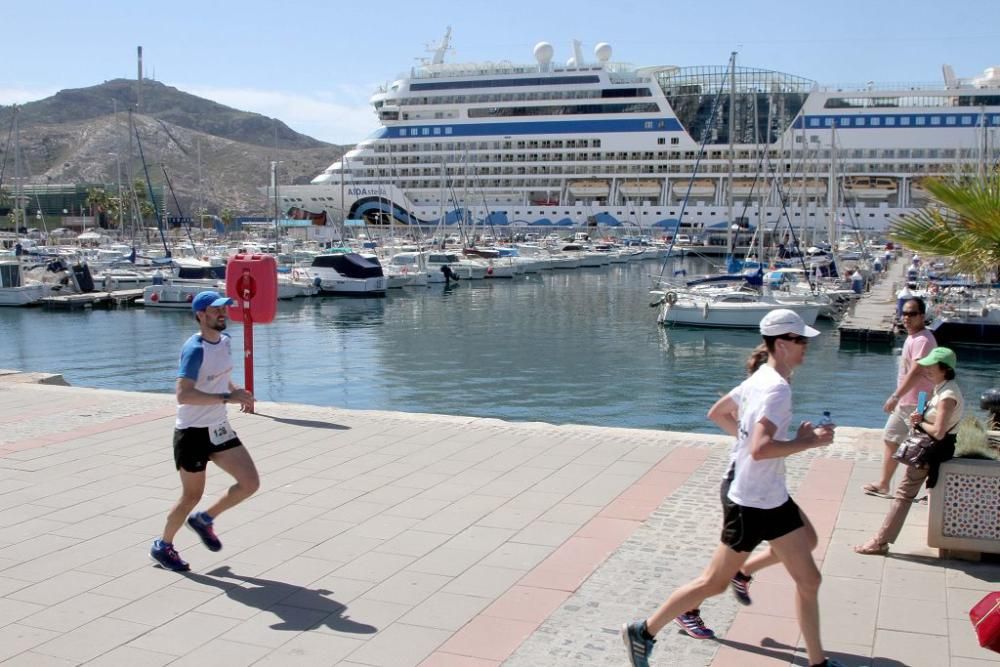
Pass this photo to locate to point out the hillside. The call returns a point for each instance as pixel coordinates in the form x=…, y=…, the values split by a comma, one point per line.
x=74, y=136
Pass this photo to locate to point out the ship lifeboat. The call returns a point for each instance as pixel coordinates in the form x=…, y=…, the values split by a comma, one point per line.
x=700, y=189
x=543, y=199
x=870, y=187
x=749, y=187
x=586, y=189
x=810, y=187
x=640, y=188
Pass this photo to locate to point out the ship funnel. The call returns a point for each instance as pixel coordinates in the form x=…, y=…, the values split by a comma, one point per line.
x=950, y=80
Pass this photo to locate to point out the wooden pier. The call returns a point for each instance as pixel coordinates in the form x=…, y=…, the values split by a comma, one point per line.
x=117, y=299
x=872, y=318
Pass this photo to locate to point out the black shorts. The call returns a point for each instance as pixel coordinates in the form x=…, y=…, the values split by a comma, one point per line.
x=193, y=448
x=743, y=528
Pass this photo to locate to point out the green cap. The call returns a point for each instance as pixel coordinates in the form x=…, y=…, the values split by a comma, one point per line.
x=942, y=355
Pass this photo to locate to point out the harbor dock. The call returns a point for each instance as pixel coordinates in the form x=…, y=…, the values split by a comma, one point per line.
x=872, y=318
x=116, y=299
x=388, y=538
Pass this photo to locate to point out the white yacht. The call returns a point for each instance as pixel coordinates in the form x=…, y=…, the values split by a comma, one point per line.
x=574, y=140
x=347, y=274
x=15, y=290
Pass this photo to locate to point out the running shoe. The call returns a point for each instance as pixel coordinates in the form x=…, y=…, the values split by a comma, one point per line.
x=637, y=647
x=692, y=624
x=168, y=558
x=201, y=524
x=740, y=585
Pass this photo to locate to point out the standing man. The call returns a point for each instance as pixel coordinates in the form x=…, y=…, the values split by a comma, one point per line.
x=910, y=381
x=203, y=432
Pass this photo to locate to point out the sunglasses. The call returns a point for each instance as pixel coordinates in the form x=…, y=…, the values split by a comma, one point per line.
x=798, y=340
x=911, y=313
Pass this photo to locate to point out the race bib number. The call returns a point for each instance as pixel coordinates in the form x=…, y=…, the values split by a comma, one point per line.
x=221, y=433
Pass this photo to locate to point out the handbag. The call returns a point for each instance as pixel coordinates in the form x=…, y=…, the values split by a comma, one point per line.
x=985, y=617
x=914, y=450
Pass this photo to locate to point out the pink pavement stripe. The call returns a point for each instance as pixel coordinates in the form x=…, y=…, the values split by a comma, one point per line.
x=36, y=411
x=496, y=632
x=442, y=659
x=103, y=427
x=820, y=495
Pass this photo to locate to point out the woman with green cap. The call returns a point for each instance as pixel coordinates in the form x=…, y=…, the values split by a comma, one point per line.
x=940, y=421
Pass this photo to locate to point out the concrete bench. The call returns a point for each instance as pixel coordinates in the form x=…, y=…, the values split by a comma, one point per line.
x=964, y=519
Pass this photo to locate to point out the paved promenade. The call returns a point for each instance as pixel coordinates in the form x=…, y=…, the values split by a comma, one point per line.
x=396, y=539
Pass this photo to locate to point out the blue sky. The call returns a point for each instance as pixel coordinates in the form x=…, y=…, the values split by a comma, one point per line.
x=314, y=64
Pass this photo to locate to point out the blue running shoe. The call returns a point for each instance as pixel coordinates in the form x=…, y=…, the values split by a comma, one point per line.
x=692, y=624
x=637, y=647
x=200, y=523
x=168, y=558
x=740, y=585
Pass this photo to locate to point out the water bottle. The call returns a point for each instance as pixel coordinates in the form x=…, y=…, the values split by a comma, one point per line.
x=921, y=401
x=826, y=419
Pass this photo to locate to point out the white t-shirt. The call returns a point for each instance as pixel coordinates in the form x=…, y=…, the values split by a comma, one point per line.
x=947, y=389
x=760, y=484
x=210, y=365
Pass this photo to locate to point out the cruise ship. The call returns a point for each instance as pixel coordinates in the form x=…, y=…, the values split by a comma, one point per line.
x=660, y=148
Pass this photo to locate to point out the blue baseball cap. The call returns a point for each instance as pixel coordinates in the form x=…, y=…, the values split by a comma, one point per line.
x=209, y=299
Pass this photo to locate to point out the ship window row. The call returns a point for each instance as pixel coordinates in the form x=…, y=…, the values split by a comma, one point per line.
x=452, y=153
x=521, y=96
x=488, y=145
x=593, y=170
x=896, y=101
x=580, y=109
x=505, y=83
x=922, y=120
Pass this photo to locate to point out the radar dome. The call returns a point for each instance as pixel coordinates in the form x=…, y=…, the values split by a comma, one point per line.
x=571, y=62
x=543, y=53
x=603, y=52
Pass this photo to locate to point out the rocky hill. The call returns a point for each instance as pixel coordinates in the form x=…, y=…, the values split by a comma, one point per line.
x=75, y=137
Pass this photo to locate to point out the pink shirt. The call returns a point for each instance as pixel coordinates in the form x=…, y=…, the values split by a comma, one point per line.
x=916, y=347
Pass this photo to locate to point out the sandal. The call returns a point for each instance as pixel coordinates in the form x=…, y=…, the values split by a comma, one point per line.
x=873, y=490
x=872, y=548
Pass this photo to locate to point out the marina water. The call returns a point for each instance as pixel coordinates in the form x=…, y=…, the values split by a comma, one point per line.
x=576, y=346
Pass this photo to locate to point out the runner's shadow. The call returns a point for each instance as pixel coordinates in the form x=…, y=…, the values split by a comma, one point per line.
x=307, y=423
x=268, y=595
x=796, y=656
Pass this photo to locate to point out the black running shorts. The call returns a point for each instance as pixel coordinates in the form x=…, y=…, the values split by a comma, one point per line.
x=193, y=448
x=743, y=528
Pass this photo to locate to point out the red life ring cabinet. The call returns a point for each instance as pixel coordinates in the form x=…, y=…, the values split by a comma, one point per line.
x=253, y=279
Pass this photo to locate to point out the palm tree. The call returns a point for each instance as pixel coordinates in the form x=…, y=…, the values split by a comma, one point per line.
x=98, y=202
x=962, y=223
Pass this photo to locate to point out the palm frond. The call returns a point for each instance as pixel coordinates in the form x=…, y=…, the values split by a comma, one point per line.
x=962, y=223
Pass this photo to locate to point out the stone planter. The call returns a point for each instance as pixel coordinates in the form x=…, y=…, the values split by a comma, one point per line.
x=964, y=516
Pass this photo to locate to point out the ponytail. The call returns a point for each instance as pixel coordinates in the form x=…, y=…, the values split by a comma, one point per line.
x=757, y=358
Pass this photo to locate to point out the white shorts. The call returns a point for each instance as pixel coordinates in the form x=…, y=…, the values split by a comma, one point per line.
x=897, y=427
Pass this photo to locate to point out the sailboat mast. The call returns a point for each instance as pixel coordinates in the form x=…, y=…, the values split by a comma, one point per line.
x=22, y=214
x=732, y=151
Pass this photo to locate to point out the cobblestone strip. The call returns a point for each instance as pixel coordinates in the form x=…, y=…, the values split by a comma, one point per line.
x=501, y=628
x=670, y=548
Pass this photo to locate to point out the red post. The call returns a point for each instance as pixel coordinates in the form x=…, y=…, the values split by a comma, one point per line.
x=247, y=292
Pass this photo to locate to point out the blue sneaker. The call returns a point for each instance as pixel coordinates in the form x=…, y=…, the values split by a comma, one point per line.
x=692, y=624
x=168, y=558
x=740, y=585
x=200, y=523
x=637, y=647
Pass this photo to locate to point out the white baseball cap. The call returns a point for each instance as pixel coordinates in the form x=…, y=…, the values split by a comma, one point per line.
x=784, y=321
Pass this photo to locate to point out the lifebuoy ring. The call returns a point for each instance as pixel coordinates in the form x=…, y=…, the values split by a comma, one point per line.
x=670, y=298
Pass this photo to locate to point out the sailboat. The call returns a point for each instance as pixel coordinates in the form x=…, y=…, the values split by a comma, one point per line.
x=15, y=289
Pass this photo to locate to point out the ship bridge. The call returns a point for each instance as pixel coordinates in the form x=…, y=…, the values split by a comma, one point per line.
x=765, y=104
